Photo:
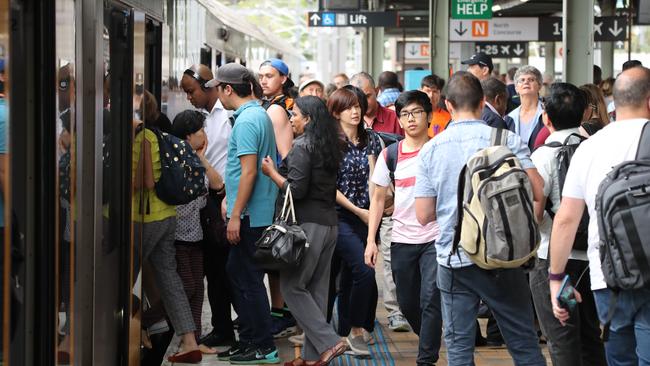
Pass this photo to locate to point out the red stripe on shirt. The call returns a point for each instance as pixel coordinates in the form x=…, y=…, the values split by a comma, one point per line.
x=407, y=182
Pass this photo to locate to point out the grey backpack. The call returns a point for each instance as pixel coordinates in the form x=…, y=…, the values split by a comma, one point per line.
x=496, y=223
x=623, y=211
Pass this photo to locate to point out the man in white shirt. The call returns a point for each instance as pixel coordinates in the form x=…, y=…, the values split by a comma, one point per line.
x=217, y=130
x=629, y=338
x=579, y=344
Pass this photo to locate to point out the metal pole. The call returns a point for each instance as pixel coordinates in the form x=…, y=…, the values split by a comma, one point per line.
x=578, y=38
x=439, y=37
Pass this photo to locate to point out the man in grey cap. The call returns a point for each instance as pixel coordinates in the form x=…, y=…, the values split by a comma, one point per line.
x=250, y=198
x=312, y=87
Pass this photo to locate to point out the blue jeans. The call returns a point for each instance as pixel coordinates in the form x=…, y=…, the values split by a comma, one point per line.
x=249, y=293
x=414, y=271
x=629, y=332
x=357, y=303
x=506, y=293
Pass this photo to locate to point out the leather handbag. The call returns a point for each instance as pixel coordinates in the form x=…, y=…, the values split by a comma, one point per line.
x=283, y=244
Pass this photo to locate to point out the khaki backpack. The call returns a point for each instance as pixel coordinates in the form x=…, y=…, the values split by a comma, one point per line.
x=496, y=224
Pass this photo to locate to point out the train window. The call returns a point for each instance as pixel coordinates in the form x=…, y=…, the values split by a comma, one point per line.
x=66, y=177
x=218, y=60
x=206, y=56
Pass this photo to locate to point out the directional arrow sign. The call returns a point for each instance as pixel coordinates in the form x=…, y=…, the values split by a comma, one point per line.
x=605, y=29
x=416, y=50
x=503, y=49
x=495, y=29
x=460, y=30
x=353, y=19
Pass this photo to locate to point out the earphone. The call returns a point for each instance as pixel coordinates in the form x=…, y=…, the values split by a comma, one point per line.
x=195, y=75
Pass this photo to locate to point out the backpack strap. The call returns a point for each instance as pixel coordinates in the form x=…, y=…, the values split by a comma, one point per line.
x=392, y=152
x=459, y=210
x=643, y=151
x=498, y=137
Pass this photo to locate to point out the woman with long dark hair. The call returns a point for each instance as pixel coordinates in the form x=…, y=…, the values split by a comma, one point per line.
x=357, y=300
x=309, y=171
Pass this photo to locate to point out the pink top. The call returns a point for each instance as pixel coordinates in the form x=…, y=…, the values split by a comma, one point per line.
x=406, y=228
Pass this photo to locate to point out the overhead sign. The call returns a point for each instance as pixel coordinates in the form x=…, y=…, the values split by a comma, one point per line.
x=503, y=49
x=606, y=29
x=495, y=29
x=471, y=9
x=352, y=19
x=416, y=50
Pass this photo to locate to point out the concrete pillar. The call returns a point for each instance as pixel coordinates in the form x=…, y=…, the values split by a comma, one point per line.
x=578, y=38
x=549, y=58
x=608, y=8
x=374, y=51
x=439, y=37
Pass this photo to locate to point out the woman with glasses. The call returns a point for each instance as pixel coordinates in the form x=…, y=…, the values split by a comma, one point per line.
x=527, y=118
x=309, y=171
x=357, y=301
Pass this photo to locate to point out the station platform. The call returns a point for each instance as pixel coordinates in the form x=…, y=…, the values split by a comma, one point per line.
x=390, y=348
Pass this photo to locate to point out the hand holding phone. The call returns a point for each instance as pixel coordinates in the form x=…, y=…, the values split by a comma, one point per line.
x=566, y=297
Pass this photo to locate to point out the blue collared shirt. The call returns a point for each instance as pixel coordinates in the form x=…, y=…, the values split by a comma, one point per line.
x=440, y=163
x=388, y=97
x=252, y=134
x=525, y=130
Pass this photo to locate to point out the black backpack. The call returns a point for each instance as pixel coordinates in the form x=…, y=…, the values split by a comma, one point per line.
x=563, y=155
x=384, y=138
x=182, y=176
x=623, y=209
x=391, y=159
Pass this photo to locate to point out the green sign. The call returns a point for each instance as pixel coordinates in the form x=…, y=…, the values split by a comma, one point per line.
x=471, y=9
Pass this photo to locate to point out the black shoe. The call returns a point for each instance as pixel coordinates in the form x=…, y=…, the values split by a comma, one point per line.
x=236, y=349
x=256, y=356
x=214, y=339
x=496, y=342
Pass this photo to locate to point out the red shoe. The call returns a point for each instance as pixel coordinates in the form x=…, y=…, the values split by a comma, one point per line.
x=189, y=357
x=63, y=357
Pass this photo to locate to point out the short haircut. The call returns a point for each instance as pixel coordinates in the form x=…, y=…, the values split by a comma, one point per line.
x=341, y=75
x=528, y=70
x=565, y=105
x=632, y=93
x=357, y=79
x=252, y=87
x=413, y=96
x=464, y=91
x=631, y=63
x=187, y=122
x=493, y=87
x=432, y=81
x=388, y=79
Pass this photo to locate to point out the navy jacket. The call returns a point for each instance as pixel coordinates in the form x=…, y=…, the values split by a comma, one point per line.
x=494, y=120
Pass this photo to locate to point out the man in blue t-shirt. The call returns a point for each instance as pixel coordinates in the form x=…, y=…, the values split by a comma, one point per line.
x=250, y=198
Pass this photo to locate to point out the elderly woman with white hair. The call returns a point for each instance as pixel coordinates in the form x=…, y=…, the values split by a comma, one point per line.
x=527, y=118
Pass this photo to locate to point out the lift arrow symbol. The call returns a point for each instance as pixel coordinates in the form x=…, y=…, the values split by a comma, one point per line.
x=315, y=19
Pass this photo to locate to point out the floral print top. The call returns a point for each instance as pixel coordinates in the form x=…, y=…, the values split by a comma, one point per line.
x=354, y=171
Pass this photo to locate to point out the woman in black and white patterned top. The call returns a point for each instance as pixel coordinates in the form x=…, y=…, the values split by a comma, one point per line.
x=188, y=125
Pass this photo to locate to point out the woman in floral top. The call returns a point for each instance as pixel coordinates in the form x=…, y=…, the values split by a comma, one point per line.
x=357, y=300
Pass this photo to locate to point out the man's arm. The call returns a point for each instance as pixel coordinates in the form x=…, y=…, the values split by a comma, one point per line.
x=565, y=225
x=246, y=185
x=374, y=220
x=425, y=209
x=537, y=183
x=281, y=128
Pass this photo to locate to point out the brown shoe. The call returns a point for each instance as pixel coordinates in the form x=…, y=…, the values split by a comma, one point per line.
x=189, y=357
x=332, y=353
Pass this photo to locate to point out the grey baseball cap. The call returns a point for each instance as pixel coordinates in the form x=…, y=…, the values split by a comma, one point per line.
x=231, y=73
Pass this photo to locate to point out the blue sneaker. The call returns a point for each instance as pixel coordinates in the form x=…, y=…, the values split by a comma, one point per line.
x=283, y=326
x=236, y=349
x=256, y=356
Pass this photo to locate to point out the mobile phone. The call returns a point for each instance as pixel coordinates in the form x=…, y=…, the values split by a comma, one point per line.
x=566, y=297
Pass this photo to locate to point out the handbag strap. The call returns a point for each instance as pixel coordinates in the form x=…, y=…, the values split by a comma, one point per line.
x=284, y=212
x=291, y=209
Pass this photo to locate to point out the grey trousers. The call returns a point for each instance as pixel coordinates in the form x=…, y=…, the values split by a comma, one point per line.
x=389, y=292
x=158, y=247
x=305, y=290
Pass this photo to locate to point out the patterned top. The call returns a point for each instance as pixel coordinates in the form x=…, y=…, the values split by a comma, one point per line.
x=354, y=172
x=188, y=219
x=388, y=97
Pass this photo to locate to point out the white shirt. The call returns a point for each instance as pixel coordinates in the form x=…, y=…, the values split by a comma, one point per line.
x=614, y=144
x=217, y=129
x=546, y=164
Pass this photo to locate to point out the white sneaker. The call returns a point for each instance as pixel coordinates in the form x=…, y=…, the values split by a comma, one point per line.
x=298, y=339
x=358, y=347
x=398, y=323
x=368, y=338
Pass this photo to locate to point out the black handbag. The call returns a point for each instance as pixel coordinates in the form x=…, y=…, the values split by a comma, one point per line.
x=283, y=244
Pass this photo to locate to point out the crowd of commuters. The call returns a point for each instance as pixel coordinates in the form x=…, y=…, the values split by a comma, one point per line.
x=358, y=198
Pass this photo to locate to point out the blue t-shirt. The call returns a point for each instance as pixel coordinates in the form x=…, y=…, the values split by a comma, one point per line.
x=252, y=134
x=441, y=161
x=3, y=150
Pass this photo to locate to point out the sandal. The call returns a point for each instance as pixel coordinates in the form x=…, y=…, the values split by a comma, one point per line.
x=335, y=352
x=207, y=350
x=188, y=357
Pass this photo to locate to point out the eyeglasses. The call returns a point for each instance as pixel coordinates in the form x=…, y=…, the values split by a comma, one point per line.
x=415, y=114
x=526, y=80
